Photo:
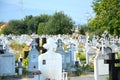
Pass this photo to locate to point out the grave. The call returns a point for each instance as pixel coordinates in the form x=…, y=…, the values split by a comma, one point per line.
x=94, y=40
x=33, y=57
x=87, y=47
x=72, y=53
x=1, y=49
x=41, y=46
x=60, y=50
x=7, y=63
x=50, y=63
x=90, y=54
x=20, y=68
x=100, y=69
x=114, y=72
x=114, y=47
x=25, y=54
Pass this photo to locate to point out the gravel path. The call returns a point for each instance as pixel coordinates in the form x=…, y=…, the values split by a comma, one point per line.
x=84, y=77
x=87, y=77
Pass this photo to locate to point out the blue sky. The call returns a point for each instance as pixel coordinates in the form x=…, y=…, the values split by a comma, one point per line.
x=78, y=10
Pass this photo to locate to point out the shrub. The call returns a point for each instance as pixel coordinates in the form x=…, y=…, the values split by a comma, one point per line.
x=25, y=62
x=81, y=56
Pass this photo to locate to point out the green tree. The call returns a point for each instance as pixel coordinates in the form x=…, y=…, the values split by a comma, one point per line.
x=44, y=18
x=40, y=29
x=6, y=30
x=15, y=27
x=33, y=22
x=59, y=23
x=107, y=16
x=83, y=29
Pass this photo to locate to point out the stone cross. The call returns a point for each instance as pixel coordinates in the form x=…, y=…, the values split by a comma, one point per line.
x=59, y=43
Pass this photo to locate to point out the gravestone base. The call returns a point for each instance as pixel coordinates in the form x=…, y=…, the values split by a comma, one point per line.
x=36, y=77
x=20, y=71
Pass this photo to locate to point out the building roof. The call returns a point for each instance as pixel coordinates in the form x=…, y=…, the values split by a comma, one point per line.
x=3, y=24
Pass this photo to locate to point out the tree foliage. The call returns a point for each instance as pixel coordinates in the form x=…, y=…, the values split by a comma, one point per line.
x=33, y=22
x=83, y=29
x=41, y=28
x=15, y=27
x=58, y=23
x=107, y=16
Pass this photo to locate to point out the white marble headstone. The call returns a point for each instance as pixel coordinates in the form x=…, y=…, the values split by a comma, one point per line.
x=50, y=63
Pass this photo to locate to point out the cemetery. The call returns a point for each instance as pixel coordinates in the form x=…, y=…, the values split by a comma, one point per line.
x=60, y=40
x=59, y=57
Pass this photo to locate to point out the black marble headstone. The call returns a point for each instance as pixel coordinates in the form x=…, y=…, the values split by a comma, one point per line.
x=113, y=71
x=25, y=54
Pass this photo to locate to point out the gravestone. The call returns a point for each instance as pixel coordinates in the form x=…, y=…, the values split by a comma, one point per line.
x=26, y=54
x=64, y=75
x=72, y=53
x=50, y=63
x=60, y=50
x=90, y=54
x=70, y=57
x=37, y=41
x=41, y=47
x=87, y=47
x=114, y=72
x=100, y=69
x=44, y=41
x=20, y=68
x=1, y=49
x=82, y=39
x=33, y=57
x=107, y=50
x=94, y=40
x=114, y=47
x=7, y=63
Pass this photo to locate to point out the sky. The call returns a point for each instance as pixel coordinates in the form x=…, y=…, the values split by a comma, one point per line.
x=78, y=10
